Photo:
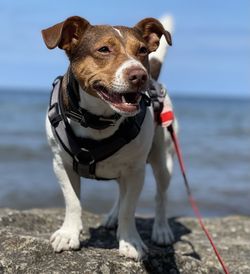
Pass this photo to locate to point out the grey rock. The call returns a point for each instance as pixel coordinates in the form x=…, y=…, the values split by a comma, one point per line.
x=25, y=247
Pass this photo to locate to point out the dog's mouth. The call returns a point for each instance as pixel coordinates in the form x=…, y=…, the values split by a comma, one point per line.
x=125, y=102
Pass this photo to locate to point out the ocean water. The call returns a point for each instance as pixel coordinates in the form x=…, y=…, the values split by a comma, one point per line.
x=215, y=140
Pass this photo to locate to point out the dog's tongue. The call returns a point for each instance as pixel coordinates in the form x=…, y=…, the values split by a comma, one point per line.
x=127, y=102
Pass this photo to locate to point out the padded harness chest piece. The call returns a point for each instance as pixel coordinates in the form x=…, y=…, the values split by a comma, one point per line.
x=86, y=152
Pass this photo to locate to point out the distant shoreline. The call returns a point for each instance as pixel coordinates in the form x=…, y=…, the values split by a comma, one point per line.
x=174, y=94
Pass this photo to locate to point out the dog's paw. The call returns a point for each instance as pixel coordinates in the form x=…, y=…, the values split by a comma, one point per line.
x=162, y=233
x=133, y=248
x=65, y=239
x=110, y=221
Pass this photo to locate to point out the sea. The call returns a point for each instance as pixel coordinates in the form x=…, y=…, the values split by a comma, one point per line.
x=215, y=141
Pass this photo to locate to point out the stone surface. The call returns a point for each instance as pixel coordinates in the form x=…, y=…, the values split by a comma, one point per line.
x=25, y=247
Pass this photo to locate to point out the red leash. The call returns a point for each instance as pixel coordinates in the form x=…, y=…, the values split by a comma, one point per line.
x=190, y=197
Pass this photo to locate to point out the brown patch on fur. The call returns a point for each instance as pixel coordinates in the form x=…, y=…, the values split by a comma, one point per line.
x=134, y=42
x=89, y=65
x=82, y=43
x=155, y=68
x=65, y=99
x=152, y=30
x=64, y=91
x=66, y=35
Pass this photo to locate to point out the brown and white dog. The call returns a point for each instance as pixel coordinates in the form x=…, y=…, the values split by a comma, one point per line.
x=112, y=68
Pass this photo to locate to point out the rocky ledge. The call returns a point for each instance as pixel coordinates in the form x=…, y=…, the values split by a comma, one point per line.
x=25, y=247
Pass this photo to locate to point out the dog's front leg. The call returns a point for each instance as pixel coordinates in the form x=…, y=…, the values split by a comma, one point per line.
x=67, y=237
x=130, y=242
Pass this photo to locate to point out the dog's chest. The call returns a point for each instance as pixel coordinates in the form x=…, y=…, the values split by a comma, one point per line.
x=131, y=156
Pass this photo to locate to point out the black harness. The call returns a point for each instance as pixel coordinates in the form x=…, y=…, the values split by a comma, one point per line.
x=82, y=116
x=87, y=152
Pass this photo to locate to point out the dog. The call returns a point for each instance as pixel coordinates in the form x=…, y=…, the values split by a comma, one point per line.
x=112, y=68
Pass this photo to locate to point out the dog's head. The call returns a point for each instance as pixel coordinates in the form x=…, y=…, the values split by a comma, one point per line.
x=109, y=62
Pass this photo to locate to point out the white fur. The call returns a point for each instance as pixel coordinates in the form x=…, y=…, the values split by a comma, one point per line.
x=152, y=144
x=67, y=237
x=120, y=83
x=118, y=31
x=99, y=107
x=128, y=165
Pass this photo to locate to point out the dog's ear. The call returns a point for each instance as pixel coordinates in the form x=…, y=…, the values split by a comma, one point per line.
x=66, y=35
x=152, y=30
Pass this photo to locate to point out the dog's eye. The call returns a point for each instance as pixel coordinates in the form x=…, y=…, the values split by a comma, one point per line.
x=104, y=49
x=143, y=50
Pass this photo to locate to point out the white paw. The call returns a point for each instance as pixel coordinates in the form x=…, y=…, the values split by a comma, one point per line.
x=65, y=239
x=162, y=233
x=110, y=221
x=133, y=248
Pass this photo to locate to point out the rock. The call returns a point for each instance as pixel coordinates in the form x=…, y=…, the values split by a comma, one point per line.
x=25, y=247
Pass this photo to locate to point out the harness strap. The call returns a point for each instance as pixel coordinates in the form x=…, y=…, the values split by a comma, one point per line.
x=157, y=96
x=54, y=113
x=81, y=115
x=83, y=162
x=86, y=152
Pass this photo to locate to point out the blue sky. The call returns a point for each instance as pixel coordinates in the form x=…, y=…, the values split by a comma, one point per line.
x=210, y=53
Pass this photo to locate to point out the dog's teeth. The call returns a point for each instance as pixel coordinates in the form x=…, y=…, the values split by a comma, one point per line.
x=123, y=99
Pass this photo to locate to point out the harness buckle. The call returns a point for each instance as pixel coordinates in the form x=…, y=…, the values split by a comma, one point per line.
x=110, y=121
x=84, y=164
x=146, y=99
x=77, y=118
x=54, y=115
x=83, y=122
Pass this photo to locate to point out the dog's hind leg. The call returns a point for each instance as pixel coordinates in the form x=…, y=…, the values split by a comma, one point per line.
x=161, y=160
x=111, y=219
x=67, y=237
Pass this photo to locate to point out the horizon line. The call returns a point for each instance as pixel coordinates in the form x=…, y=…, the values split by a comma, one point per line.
x=174, y=93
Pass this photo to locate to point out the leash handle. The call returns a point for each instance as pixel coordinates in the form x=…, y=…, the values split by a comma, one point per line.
x=192, y=200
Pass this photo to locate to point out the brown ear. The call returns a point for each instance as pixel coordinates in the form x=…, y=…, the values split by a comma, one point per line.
x=66, y=35
x=152, y=30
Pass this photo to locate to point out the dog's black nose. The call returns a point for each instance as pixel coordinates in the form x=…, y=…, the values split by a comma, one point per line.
x=137, y=76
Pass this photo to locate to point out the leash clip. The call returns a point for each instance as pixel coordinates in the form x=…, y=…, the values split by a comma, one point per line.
x=147, y=99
